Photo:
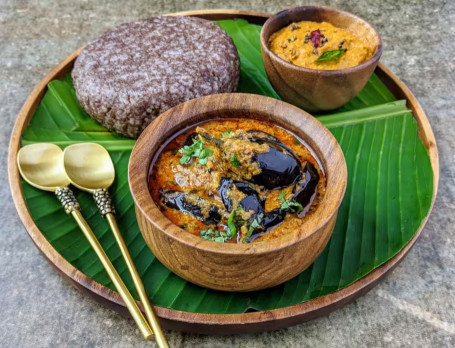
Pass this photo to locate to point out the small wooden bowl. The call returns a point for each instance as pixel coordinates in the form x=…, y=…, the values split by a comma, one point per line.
x=237, y=267
x=315, y=90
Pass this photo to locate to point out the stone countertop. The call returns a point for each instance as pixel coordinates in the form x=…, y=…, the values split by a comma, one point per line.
x=413, y=306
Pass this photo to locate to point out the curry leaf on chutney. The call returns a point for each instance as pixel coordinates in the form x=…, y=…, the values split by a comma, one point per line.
x=331, y=55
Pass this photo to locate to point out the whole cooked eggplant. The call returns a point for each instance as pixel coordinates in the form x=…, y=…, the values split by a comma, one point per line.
x=250, y=202
x=279, y=167
x=192, y=204
x=305, y=191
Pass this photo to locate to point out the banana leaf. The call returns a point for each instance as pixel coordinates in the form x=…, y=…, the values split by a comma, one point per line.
x=389, y=193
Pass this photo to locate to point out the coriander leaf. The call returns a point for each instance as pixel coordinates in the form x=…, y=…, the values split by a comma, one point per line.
x=187, y=151
x=226, y=133
x=294, y=204
x=195, y=150
x=190, y=149
x=235, y=161
x=212, y=235
x=204, y=155
x=238, y=218
x=207, y=233
x=284, y=203
x=231, y=224
x=185, y=159
x=290, y=205
x=255, y=224
x=330, y=55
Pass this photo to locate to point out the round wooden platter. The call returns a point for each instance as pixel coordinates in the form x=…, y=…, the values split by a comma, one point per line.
x=214, y=323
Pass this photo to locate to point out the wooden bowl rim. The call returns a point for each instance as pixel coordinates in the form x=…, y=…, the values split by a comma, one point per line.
x=205, y=322
x=372, y=60
x=152, y=138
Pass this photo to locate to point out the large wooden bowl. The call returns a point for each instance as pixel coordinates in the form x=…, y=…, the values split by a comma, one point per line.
x=311, y=89
x=237, y=267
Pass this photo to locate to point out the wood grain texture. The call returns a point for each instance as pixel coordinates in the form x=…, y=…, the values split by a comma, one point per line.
x=213, y=323
x=237, y=267
x=315, y=90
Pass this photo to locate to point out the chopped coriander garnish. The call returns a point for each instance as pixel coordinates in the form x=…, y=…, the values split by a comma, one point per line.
x=283, y=201
x=297, y=205
x=204, y=155
x=232, y=219
x=235, y=161
x=293, y=205
x=231, y=224
x=215, y=236
x=195, y=150
x=185, y=159
x=226, y=133
x=255, y=224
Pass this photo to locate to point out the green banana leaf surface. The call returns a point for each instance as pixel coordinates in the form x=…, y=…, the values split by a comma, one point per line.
x=389, y=193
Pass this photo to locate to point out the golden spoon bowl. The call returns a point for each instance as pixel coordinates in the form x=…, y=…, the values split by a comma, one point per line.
x=41, y=165
x=89, y=166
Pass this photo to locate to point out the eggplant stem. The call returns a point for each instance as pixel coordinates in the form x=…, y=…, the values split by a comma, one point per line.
x=211, y=138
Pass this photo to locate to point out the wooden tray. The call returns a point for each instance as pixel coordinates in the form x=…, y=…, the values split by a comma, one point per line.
x=214, y=323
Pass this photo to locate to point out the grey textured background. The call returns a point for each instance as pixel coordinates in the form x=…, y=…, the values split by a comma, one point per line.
x=412, y=307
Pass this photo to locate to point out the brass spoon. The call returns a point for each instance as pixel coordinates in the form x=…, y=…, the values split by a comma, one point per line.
x=41, y=165
x=90, y=168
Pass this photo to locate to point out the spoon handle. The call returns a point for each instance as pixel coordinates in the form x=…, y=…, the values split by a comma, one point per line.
x=71, y=206
x=149, y=313
x=103, y=201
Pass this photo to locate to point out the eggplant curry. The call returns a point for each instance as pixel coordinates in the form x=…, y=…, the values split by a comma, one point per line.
x=236, y=180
